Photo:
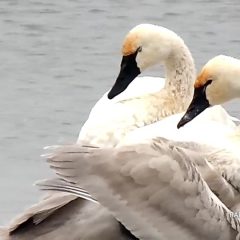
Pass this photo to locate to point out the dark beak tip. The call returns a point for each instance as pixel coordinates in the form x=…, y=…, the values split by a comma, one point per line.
x=180, y=124
x=184, y=120
x=110, y=96
x=113, y=93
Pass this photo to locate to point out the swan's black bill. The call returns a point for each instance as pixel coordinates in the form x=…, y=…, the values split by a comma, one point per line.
x=198, y=105
x=128, y=72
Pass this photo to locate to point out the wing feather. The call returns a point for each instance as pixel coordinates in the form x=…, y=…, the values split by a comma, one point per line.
x=155, y=190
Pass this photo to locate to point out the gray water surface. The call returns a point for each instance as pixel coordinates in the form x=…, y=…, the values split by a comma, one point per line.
x=58, y=57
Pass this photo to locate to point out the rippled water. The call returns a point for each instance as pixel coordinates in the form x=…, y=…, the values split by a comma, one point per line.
x=58, y=57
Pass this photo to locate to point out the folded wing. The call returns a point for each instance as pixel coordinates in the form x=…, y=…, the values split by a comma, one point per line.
x=154, y=189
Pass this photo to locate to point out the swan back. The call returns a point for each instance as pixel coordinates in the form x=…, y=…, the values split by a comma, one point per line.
x=214, y=127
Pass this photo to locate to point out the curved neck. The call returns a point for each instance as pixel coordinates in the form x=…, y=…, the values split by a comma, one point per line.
x=180, y=75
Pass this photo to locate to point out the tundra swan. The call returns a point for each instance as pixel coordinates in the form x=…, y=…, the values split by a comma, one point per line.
x=145, y=45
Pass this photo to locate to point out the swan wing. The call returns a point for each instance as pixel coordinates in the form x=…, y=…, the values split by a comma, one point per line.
x=79, y=219
x=40, y=211
x=58, y=184
x=154, y=189
x=216, y=137
x=227, y=163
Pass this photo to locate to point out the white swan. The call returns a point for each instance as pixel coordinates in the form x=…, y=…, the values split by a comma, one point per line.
x=145, y=45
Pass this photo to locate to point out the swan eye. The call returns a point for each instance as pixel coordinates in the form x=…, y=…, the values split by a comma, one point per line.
x=139, y=49
x=208, y=82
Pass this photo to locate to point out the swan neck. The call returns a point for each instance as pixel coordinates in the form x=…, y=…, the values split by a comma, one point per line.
x=180, y=75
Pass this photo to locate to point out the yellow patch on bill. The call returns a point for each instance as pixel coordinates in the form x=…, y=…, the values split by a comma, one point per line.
x=202, y=78
x=129, y=45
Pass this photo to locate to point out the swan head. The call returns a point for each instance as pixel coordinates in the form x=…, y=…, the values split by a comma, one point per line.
x=217, y=83
x=144, y=46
